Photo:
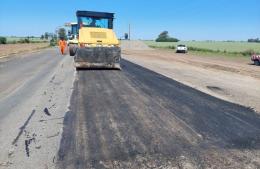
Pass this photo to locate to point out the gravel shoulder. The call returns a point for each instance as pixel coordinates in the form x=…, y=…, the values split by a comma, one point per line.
x=235, y=80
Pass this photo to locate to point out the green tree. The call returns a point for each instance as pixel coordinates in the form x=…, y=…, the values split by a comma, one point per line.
x=51, y=35
x=46, y=35
x=53, y=41
x=3, y=40
x=164, y=37
x=55, y=37
x=62, y=33
x=126, y=36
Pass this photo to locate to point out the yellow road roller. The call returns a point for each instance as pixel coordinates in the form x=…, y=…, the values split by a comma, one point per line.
x=98, y=46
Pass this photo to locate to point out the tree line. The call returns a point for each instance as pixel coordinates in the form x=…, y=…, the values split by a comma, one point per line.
x=165, y=37
x=257, y=40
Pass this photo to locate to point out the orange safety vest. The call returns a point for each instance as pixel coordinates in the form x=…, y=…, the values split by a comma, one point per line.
x=62, y=43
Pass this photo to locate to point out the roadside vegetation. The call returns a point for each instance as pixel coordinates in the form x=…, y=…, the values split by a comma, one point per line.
x=229, y=48
x=47, y=37
x=10, y=45
x=257, y=40
x=3, y=40
x=165, y=37
x=17, y=40
x=55, y=38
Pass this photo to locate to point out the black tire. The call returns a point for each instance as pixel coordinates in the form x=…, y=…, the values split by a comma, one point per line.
x=257, y=62
x=72, y=50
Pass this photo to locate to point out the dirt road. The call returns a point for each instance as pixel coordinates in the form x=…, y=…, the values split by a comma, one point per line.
x=53, y=117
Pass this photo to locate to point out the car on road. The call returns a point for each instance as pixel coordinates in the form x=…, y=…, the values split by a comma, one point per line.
x=181, y=49
x=256, y=59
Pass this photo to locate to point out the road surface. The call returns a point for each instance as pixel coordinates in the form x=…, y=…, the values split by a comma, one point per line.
x=134, y=118
x=231, y=79
x=21, y=76
x=35, y=91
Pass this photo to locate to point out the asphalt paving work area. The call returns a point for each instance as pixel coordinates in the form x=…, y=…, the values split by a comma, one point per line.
x=136, y=118
x=52, y=116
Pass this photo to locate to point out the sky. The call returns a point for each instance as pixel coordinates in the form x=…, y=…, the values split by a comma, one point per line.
x=183, y=19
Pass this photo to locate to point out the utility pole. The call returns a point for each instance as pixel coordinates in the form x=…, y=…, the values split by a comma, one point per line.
x=129, y=32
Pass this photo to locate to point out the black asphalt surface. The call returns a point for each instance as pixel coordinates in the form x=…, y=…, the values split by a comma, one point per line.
x=136, y=118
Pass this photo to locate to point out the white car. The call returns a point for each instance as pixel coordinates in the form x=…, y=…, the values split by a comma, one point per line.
x=181, y=49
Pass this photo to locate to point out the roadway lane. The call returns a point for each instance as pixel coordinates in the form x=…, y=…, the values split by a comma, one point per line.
x=136, y=118
x=21, y=76
x=35, y=92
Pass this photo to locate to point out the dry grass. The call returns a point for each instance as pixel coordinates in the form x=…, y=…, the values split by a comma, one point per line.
x=9, y=49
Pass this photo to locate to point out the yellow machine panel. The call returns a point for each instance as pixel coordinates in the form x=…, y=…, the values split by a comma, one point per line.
x=98, y=46
x=97, y=36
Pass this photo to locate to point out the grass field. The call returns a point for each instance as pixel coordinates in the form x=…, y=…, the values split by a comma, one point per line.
x=16, y=39
x=227, y=47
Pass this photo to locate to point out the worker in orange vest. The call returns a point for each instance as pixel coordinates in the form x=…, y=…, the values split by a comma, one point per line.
x=62, y=44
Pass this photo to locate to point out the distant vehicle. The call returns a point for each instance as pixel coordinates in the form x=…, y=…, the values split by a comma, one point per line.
x=256, y=59
x=181, y=49
x=72, y=33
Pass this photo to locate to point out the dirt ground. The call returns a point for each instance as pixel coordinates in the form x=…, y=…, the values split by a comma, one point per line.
x=10, y=49
x=232, y=79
